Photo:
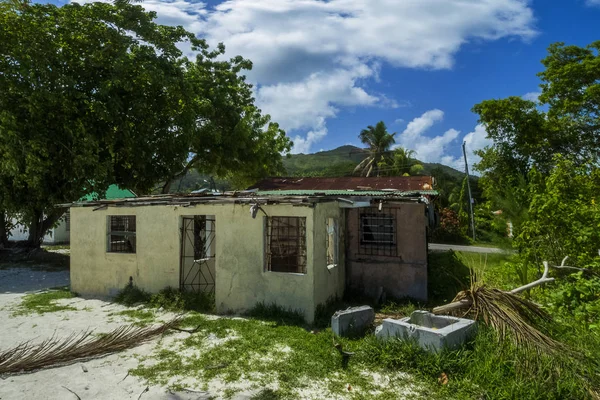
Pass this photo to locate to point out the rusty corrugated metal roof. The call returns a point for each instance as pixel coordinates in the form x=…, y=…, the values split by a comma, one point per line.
x=400, y=183
x=369, y=193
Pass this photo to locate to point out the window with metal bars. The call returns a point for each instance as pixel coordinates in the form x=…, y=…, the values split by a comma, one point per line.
x=378, y=234
x=203, y=237
x=285, y=244
x=121, y=234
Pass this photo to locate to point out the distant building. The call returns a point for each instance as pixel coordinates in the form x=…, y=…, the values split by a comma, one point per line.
x=61, y=233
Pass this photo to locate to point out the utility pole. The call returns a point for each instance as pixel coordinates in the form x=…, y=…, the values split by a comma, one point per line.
x=469, y=188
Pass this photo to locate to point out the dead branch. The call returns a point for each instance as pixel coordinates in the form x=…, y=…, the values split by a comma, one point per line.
x=76, y=395
x=563, y=266
x=542, y=280
x=144, y=391
x=190, y=331
x=467, y=302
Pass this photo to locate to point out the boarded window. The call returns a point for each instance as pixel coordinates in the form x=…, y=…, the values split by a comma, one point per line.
x=121, y=234
x=378, y=234
x=285, y=244
x=332, y=242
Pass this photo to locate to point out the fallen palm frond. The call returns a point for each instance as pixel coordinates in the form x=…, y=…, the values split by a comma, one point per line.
x=56, y=352
x=511, y=316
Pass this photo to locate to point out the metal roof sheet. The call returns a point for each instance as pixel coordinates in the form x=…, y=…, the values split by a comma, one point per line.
x=396, y=193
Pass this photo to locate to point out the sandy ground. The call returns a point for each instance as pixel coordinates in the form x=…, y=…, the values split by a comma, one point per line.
x=106, y=378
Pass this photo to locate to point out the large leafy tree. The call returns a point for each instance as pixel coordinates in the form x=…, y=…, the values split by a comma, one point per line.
x=98, y=93
x=526, y=138
x=379, y=142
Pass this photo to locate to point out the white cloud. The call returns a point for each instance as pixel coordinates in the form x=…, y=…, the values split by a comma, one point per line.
x=436, y=148
x=418, y=126
x=427, y=149
x=303, y=144
x=312, y=57
x=475, y=140
x=593, y=2
x=532, y=96
x=398, y=121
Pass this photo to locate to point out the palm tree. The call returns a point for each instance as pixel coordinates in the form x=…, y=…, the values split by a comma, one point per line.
x=379, y=141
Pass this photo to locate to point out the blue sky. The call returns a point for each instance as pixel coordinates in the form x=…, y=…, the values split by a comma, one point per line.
x=326, y=69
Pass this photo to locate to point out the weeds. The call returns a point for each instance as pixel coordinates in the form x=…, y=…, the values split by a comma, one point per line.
x=45, y=302
x=278, y=314
x=132, y=295
x=168, y=299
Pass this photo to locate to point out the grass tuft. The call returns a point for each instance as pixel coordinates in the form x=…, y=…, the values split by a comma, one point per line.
x=168, y=299
x=276, y=313
x=132, y=295
x=44, y=302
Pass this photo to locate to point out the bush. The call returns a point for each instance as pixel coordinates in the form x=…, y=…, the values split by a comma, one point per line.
x=449, y=229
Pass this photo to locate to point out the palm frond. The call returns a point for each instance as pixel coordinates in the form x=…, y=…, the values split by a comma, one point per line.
x=54, y=352
x=512, y=317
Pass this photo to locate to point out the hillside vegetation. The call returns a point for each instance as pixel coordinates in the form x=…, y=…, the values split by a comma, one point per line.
x=342, y=161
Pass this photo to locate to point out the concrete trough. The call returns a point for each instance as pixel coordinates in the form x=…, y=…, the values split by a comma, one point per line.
x=432, y=332
x=353, y=321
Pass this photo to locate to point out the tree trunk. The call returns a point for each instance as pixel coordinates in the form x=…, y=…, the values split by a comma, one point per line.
x=39, y=226
x=3, y=232
x=167, y=186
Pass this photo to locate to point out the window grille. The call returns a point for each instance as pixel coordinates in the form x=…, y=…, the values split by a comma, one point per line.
x=121, y=234
x=285, y=244
x=378, y=234
x=332, y=242
x=203, y=237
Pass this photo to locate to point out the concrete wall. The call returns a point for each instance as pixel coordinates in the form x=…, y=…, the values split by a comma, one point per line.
x=402, y=275
x=328, y=282
x=241, y=279
x=59, y=234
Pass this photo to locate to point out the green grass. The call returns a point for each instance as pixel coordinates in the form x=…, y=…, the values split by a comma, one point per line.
x=283, y=359
x=280, y=357
x=168, y=299
x=265, y=353
x=138, y=316
x=44, y=302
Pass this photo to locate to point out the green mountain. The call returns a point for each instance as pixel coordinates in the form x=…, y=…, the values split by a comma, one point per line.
x=342, y=161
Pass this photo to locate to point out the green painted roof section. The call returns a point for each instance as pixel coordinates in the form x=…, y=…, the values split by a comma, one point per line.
x=346, y=193
x=113, y=192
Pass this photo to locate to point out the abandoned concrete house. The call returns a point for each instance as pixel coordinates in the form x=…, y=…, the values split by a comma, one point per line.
x=293, y=242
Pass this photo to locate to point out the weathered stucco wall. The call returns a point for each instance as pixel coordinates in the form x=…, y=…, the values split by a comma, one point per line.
x=402, y=275
x=241, y=279
x=328, y=283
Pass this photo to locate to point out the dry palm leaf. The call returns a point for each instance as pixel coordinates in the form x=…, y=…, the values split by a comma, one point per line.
x=55, y=352
x=511, y=316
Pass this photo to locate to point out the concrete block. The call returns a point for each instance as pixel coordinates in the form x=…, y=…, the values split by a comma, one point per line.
x=353, y=321
x=432, y=332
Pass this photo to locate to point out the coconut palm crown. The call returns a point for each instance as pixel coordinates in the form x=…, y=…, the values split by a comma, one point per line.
x=379, y=142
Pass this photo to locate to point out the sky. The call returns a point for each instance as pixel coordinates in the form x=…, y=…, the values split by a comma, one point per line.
x=325, y=70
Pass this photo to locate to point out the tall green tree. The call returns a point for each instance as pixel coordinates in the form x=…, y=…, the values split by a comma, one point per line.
x=401, y=163
x=99, y=93
x=525, y=138
x=379, y=142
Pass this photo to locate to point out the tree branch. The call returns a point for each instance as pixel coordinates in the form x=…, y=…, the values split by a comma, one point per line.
x=167, y=186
